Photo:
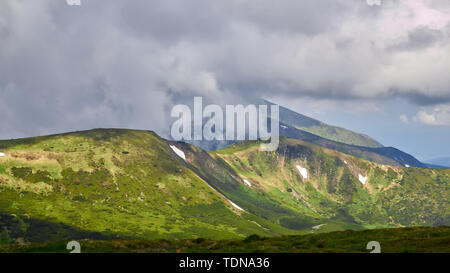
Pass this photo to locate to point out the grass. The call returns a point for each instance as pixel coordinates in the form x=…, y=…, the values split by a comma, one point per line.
x=398, y=240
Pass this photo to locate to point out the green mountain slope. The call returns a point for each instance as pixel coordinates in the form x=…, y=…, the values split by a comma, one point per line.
x=324, y=130
x=119, y=183
x=111, y=183
x=332, y=189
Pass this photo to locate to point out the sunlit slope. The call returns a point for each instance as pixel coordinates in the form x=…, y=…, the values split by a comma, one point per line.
x=331, y=187
x=119, y=183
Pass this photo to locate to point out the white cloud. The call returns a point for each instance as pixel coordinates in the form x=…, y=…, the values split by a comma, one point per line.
x=373, y=2
x=437, y=116
x=404, y=119
x=73, y=2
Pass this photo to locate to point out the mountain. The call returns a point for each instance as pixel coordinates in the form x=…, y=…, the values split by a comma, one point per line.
x=117, y=183
x=382, y=155
x=325, y=182
x=295, y=125
x=319, y=128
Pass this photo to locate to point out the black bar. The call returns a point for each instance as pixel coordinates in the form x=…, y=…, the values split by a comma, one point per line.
x=231, y=262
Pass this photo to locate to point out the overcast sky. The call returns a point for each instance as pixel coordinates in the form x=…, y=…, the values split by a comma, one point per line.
x=377, y=69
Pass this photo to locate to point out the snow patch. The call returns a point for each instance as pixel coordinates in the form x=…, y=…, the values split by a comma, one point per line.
x=2, y=154
x=407, y=166
x=362, y=179
x=284, y=127
x=318, y=226
x=236, y=206
x=246, y=182
x=302, y=171
x=345, y=161
x=179, y=152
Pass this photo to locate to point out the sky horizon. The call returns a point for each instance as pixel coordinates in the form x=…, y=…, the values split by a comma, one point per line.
x=374, y=67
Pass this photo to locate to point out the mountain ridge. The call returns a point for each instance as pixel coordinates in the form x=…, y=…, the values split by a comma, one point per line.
x=296, y=125
x=382, y=155
x=322, y=129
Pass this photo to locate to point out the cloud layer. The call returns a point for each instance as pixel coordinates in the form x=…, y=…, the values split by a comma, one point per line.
x=125, y=63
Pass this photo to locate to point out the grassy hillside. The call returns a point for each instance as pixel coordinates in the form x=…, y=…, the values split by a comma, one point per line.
x=332, y=191
x=397, y=240
x=117, y=183
x=110, y=183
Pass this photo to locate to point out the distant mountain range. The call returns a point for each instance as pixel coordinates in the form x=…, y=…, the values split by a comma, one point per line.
x=382, y=155
x=298, y=126
x=319, y=128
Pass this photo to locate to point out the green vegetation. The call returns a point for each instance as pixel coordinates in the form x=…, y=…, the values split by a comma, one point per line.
x=85, y=181
x=398, y=240
x=332, y=193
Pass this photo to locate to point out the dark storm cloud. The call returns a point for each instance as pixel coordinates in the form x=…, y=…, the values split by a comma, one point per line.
x=419, y=38
x=419, y=98
x=171, y=20
x=125, y=63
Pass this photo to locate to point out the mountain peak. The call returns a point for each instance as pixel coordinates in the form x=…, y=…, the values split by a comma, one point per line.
x=324, y=130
